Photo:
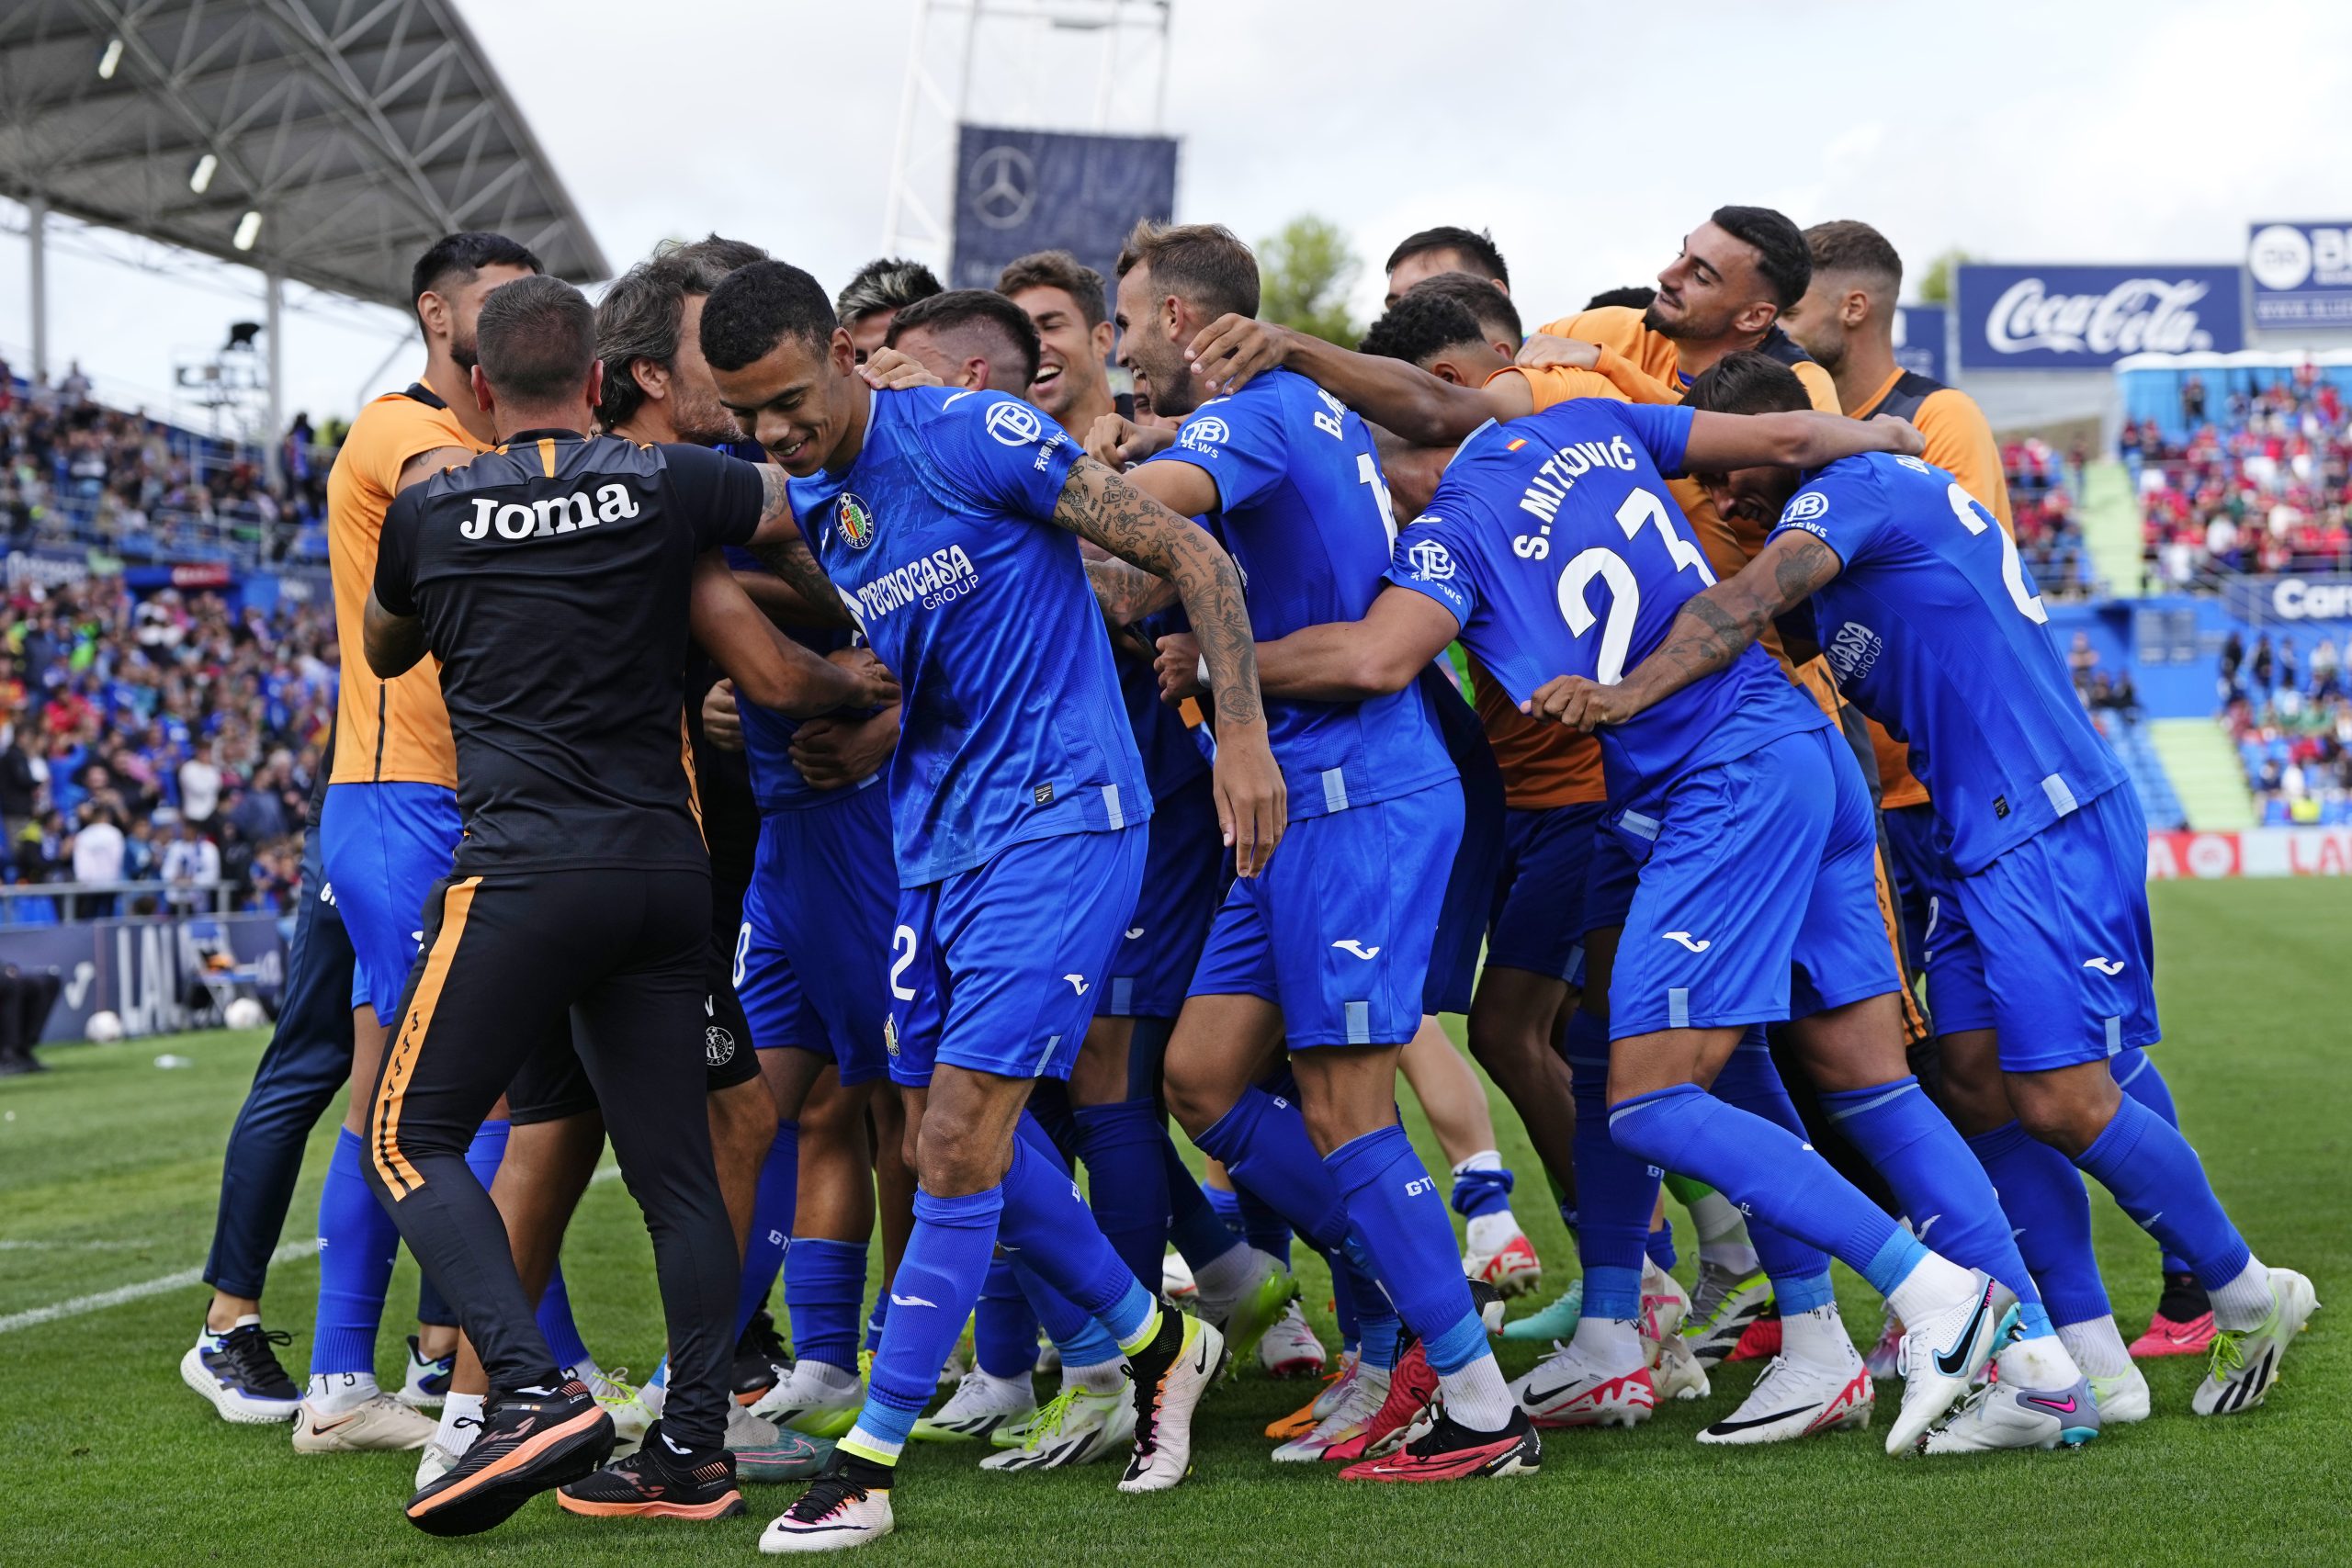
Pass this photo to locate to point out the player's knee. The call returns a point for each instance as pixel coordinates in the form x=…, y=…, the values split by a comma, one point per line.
x=1193, y=1098
x=954, y=1161
x=2067, y=1109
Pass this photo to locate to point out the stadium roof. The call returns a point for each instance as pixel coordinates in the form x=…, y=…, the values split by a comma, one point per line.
x=359, y=130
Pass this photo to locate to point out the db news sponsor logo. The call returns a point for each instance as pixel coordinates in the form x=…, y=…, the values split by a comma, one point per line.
x=1014, y=423
x=2139, y=315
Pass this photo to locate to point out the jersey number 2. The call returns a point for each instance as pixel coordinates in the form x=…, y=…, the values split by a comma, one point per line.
x=2012, y=569
x=1641, y=510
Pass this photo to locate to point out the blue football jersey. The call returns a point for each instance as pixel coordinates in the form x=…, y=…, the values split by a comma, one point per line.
x=1303, y=511
x=1172, y=758
x=938, y=536
x=1554, y=542
x=1934, y=630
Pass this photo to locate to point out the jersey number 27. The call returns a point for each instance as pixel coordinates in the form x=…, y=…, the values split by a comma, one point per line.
x=1641, y=510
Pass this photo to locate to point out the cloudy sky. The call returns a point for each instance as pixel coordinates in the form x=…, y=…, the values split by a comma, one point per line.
x=1587, y=137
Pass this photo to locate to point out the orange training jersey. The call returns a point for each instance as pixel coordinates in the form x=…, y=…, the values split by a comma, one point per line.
x=1543, y=765
x=392, y=731
x=1961, y=443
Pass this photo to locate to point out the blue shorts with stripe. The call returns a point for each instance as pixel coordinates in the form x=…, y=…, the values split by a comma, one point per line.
x=1758, y=895
x=812, y=955
x=1184, y=876
x=995, y=969
x=2050, y=944
x=1918, y=870
x=383, y=846
x=1337, y=932
x=1537, y=921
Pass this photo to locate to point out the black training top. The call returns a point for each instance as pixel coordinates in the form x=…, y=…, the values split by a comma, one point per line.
x=552, y=576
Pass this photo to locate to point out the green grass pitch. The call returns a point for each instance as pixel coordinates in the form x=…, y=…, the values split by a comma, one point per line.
x=107, y=1179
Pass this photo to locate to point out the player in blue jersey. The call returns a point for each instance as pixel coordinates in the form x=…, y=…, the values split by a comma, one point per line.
x=2041, y=965
x=941, y=518
x=1329, y=952
x=1749, y=825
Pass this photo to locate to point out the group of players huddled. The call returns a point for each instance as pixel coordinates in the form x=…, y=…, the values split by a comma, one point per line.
x=873, y=772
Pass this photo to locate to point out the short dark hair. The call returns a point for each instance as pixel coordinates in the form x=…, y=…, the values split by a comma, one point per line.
x=710, y=259
x=1747, y=382
x=1477, y=248
x=886, y=283
x=1494, y=312
x=755, y=306
x=1781, y=259
x=1632, y=297
x=536, y=338
x=1421, y=325
x=639, y=318
x=1844, y=244
x=457, y=258
x=1207, y=263
x=1057, y=269
x=981, y=308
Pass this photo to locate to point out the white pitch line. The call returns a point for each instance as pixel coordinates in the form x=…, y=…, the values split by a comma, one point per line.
x=122, y=1295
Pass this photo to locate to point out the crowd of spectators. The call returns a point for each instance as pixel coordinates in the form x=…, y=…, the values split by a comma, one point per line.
x=2259, y=484
x=2291, y=718
x=2041, y=502
x=164, y=739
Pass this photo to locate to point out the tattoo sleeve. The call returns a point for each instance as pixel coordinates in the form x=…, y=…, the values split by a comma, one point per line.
x=1098, y=504
x=1127, y=593
x=781, y=548
x=1713, y=628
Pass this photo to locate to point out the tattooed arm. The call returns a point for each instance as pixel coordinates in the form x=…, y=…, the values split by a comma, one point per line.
x=1099, y=505
x=785, y=551
x=1706, y=636
x=1128, y=593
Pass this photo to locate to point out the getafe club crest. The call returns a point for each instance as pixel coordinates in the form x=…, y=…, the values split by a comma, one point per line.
x=855, y=520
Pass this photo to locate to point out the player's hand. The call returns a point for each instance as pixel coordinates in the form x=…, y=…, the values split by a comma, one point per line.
x=1119, y=444
x=892, y=371
x=1232, y=349
x=1253, y=804
x=1908, y=442
x=1543, y=351
x=1578, y=703
x=721, y=724
x=1178, y=665
x=835, y=752
x=879, y=686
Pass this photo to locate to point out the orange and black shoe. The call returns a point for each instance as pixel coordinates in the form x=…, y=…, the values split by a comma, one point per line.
x=1443, y=1450
x=532, y=1440
x=657, y=1482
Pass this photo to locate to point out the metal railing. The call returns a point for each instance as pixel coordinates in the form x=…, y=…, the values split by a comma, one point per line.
x=80, y=901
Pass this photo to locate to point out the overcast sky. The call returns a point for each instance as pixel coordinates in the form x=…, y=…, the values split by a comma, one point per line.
x=1587, y=137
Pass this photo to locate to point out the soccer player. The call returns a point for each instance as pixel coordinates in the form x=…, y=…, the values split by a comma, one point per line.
x=552, y=578
x=877, y=291
x=1938, y=633
x=1447, y=249
x=1329, y=954
x=1017, y=800
x=387, y=830
x=1845, y=321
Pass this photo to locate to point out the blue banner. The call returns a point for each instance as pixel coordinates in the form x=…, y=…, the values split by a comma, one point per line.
x=2301, y=273
x=1919, y=340
x=1018, y=191
x=142, y=971
x=2082, y=318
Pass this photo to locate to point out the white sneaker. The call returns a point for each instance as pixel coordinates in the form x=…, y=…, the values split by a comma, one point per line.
x=1049, y=1359
x=1883, y=1356
x=631, y=1408
x=980, y=1405
x=1943, y=1352
x=2004, y=1416
x=1678, y=1374
x=1290, y=1348
x=427, y=1383
x=438, y=1458
x=831, y=1516
x=1176, y=1281
x=238, y=1373
x=1722, y=1309
x=1165, y=1398
x=1341, y=1433
x=1077, y=1427
x=1512, y=1269
x=1666, y=1305
x=375, y=1424
x=2246, y=1364
x=1565, y=1389
x=819, y=1400
x=1795, y=1400
x=2123, y=1399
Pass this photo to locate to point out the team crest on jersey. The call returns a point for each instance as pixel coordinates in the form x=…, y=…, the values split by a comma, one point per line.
x=890, y=1034
x=855, y=521
x=718, y=1045
x=1806, y=507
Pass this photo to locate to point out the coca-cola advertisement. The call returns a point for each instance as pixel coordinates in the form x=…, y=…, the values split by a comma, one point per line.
x=2083, y=318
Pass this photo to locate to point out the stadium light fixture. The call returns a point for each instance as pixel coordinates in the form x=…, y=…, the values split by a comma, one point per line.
x=248, y=230
x=201, y=180
x=110, y=60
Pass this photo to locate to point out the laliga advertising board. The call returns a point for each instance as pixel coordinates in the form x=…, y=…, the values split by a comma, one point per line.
x=2086, y=318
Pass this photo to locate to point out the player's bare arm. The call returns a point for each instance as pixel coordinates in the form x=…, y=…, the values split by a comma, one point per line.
x=394, y=643
x=424, y=464
x=781, y=548
x=768, y=668
x=1706, y=636
x=1340, y=661
x=1719, y=442
x=1097, y=504
x=1418, y=407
